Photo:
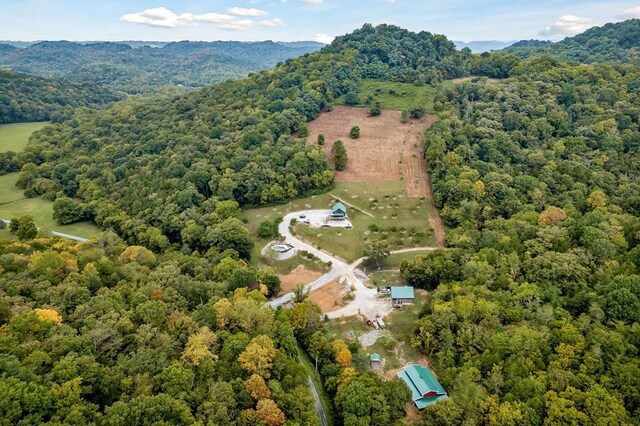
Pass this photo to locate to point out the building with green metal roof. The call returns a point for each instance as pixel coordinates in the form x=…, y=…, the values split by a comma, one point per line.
x=402, y=296
x=376, y=362
x=338, y=210
x=425, y=388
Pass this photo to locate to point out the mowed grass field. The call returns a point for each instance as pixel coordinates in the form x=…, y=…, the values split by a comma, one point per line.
x=398, y=96
x=14, y=137
x=385, y=201
x=13, y=204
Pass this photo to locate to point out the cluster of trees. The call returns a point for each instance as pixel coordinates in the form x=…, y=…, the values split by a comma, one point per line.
x=361, y=397
x=151, y=168
x=339, y=155
x=27, y=98
x=387, y=52
x=534, y=314
x=144, y=69
x=614, y=42
x=102, y=332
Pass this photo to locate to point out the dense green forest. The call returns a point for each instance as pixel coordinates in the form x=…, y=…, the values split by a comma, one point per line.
x=27, y=98
x=154, y=169
x=618, y=42
x=535, y=311
x=145, y=69
x=533, y=316
x=106, y=333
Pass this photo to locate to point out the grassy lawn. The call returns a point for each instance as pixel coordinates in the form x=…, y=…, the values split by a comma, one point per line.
x=14, y=137
x=400, y=220
x=398, y=96
x=394, y=260
x=283, y=267
x=13, y=203
x=386, y=278
x=6, y=235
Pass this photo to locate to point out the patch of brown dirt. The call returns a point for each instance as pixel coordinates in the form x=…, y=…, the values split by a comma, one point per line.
x=300, y=275
x=386, y=150
x=327, y=295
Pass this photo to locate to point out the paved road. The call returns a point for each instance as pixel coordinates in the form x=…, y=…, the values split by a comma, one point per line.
x=58, y=234
x=366, y=300
x=319, y=408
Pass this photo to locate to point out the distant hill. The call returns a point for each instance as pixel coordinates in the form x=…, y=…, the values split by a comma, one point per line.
x=618, y=42
x=29, y=98
x=481, y=46
x=6, y=48
x=150, y=65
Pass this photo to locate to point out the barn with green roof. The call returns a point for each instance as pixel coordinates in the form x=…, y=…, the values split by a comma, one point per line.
x=425, y=388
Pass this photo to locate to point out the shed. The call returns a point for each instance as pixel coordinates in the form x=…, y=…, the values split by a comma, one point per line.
x=401, y=296
x=338, y=210
x=376, y=362
x=425, y=388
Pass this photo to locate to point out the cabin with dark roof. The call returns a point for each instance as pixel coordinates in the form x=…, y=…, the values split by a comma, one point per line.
x=425, y=388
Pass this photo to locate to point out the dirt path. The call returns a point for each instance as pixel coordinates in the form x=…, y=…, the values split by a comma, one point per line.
x=435, y=220
x=366, y=299
x=319, y=408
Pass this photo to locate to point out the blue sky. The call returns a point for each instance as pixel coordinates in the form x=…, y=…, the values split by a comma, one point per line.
x=286, y=20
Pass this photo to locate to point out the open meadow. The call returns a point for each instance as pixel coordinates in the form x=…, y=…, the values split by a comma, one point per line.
x=14, y=137
x=13, y=204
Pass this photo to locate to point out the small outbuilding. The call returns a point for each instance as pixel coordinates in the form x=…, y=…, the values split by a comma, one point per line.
x=338, y=211
x=376, y=362
x=401, y=296
x=425, y=388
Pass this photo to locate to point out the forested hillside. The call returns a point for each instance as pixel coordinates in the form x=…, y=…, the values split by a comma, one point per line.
x=28, y=98
x=533, y=313
x=157, y=167
x=535, y=310
x=106, y=334
x=619, y=42
x=144, y=69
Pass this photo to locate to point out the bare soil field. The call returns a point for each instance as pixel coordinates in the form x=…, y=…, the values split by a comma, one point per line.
x=386, y=150
x=327, y=295
x=300, y=275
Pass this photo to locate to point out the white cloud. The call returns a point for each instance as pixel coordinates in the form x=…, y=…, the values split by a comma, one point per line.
x=239, y=25
x=323, y=38
x=272, y=22
x=568, y=25
x=163, y=17
x=242, y=11
x=634, y=12
x=305, y=1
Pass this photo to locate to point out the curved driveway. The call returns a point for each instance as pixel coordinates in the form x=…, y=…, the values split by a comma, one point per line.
x=366, y=300
x=58, y=234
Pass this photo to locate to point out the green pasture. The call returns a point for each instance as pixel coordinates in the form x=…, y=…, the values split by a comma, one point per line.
x=400, y=220
x=14, y=137
x=13, y=204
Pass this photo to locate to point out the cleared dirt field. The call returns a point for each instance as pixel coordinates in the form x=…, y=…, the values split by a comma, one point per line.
x=386, y=150
x=300, y=275
x=327, y=295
